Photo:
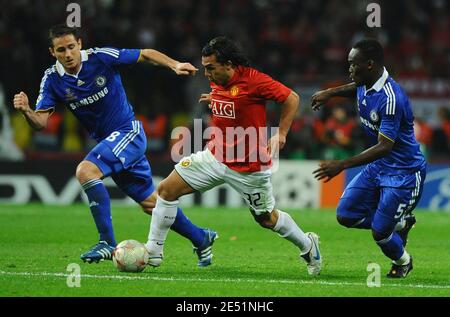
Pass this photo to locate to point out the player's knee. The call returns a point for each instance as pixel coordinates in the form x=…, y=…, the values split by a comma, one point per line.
x=346, y=222
x=342, y=211
x=266, y=224
x=379, y=236
x=166, y=192
x=265, y=220
x=87, y=171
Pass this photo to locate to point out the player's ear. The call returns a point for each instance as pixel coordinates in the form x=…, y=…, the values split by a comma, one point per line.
x=52, y=51
x=370, y=63
x=80, y=43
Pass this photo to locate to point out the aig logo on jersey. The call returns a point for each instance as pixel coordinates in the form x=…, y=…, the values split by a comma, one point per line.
x=223, y=109
x=100, y=81
x=374, y=116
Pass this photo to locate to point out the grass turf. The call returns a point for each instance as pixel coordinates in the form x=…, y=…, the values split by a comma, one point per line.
x=38, y=243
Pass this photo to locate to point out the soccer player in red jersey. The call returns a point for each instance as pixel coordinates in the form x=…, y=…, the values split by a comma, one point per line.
x=238, y=152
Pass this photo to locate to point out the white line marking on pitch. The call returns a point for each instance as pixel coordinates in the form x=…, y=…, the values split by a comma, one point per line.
x=176, y=279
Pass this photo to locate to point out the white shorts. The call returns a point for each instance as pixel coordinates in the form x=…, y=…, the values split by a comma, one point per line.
x=202, y=172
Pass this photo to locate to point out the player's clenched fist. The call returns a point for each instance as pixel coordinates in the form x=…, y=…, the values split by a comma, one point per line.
x=21, y=102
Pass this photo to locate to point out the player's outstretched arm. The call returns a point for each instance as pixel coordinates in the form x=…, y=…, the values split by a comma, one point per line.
x=328, y=170
x=321, y=97
x=37, y=120
x=158, y=58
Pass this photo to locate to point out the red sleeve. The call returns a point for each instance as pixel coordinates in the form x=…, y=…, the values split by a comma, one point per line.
x=264, y=86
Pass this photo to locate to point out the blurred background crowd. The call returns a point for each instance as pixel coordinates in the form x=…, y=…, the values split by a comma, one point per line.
x=303, y=44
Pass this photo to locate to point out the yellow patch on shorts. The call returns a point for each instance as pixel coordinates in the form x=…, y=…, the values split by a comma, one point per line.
x=185, y=163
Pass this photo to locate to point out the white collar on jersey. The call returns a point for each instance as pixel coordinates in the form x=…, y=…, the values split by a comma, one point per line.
x=62, y=71
x=379, y=83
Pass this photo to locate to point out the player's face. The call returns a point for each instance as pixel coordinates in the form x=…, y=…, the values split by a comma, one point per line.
x=358, y=67
x=66, y=49
x=216, y=72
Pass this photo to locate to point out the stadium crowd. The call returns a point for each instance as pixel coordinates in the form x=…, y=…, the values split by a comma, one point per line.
x=301, y=43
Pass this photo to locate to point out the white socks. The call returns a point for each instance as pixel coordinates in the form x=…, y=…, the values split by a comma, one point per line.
x=404, y=259
x=163, y=216
x=288, y=229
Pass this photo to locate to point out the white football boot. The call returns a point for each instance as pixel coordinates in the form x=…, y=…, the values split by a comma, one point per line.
x=312, y=257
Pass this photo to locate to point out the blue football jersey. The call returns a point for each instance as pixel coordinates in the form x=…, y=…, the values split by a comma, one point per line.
x=385, y=109
x=95, y=95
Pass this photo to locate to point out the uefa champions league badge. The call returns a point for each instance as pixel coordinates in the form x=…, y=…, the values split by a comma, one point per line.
x=100, y=81
x=374, y=116
x=70, y=95
x=185, y=163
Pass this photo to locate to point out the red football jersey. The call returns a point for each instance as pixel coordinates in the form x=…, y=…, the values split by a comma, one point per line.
x=238, y=112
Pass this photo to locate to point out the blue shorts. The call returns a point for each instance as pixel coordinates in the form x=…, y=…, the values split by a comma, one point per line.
x=122, y=156
x=386, y=198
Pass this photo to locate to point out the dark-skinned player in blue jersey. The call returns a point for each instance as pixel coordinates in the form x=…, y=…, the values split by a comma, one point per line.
x=382, y=196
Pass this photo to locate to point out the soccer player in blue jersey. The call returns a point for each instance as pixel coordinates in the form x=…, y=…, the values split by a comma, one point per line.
x=88, y=83
x=383, y=196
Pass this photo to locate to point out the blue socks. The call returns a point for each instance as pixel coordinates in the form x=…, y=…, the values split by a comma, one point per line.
x=392, y=246
x=184, y=227
x=99, y=203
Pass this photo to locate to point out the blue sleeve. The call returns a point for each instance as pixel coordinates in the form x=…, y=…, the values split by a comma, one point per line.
x=46, y=99
x=391, y=113
x=113, y=56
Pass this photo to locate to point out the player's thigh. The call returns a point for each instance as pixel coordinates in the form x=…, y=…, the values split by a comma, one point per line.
x=136, y=181
x=102, y=156
x=201, y=171
x=360, y=197
x=120, y=151
x=255, y=188
x=128, y=144
x=396, y=202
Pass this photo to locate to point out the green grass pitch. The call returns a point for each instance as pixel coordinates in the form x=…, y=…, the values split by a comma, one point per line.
x=38, y=243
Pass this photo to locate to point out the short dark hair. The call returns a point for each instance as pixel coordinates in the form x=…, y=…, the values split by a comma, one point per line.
x=371, y=49
x=61, y=30
x=225, y=51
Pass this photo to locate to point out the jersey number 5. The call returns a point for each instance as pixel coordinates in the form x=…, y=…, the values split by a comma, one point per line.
x=400, y=211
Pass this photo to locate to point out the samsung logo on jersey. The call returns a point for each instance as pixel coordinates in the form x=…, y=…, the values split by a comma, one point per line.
x=368, y=124
x=88, y=100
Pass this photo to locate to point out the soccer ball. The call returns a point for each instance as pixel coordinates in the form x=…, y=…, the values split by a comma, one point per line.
x=130, y=256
